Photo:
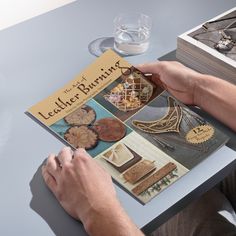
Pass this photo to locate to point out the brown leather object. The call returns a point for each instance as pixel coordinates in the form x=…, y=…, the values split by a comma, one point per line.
x=128, y=164
x=110, y=129
x=168, y=123
x=81, y=137
x=154, y=178
x=84, y=115
x=138, y=171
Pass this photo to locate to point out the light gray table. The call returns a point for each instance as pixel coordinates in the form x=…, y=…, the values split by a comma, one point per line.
x=39, y=56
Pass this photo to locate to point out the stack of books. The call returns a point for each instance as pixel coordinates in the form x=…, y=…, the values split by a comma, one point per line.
x=211, y=47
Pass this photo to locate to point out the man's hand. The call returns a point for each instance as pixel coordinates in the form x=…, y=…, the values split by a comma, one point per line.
x=79, y=183
x=210, y=93
x=85, y=191
x=179, y=80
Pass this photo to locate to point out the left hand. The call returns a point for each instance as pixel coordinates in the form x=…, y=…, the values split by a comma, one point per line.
x=80, y=184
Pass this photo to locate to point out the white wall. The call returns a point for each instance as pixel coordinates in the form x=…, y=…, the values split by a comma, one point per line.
x=16, y=11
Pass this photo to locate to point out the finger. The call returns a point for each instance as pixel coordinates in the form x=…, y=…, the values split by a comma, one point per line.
x=152, y=67
x=81, y=159
x=49, y=179
x=52, y=166
x=81, y=153
x=65, y=155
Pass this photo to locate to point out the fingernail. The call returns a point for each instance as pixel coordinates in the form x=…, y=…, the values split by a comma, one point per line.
x=80, y=151
x=66, y=148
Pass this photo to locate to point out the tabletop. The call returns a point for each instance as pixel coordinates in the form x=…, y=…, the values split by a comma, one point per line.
x=40, y=55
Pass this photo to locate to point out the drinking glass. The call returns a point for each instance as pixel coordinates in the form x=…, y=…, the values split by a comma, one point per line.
x=132, y=33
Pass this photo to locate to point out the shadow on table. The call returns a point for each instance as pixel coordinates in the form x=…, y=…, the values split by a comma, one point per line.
x=45, y=204
x=98, y=46
x=171, y=56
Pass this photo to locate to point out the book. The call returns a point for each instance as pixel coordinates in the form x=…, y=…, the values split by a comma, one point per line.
x=211, y=47
x=144, y=137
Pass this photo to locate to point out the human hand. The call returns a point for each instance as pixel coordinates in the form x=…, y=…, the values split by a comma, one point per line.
x=177, y=79
x=80, y=185
x=86, y=192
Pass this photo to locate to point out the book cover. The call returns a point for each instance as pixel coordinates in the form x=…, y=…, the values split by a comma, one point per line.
x=144, y=137
x=211, y=47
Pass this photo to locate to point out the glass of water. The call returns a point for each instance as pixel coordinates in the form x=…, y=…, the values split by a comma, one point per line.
x=132, y=33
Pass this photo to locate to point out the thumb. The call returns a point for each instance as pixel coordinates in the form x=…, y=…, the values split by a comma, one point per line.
x=152, y=67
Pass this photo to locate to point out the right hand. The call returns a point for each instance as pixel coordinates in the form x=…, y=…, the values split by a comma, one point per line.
x=177, y=79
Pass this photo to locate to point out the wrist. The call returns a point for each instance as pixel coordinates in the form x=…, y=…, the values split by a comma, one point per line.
x=101, y=214
x=200, y=85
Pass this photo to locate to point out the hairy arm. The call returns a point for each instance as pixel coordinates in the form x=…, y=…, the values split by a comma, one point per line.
x=111, y=221
x=217, y=97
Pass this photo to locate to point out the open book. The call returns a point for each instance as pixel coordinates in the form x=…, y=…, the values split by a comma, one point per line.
x=144, y=137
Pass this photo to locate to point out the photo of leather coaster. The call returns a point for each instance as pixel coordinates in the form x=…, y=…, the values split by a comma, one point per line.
x=85, y=115
x=81, y=137
x=110, y=129
x=138, y=171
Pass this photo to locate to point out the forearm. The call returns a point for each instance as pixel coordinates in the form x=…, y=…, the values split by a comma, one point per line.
x=110, y=221
x=218, y=98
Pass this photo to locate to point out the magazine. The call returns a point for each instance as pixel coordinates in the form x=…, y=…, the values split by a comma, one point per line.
x=211, y=47
x=144, y=137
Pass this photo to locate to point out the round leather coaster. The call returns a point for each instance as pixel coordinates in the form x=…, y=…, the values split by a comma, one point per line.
x=84, y=115
x=81, y=137
x=110, y=129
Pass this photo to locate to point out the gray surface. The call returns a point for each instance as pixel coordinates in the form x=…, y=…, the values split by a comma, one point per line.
x=41, y=55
